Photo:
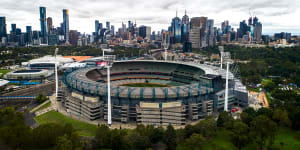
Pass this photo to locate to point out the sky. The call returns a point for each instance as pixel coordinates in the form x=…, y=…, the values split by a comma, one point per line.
x=275, y=15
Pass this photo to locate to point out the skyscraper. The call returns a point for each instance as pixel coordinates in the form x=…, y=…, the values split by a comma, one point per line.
x=210, y=33
x=96, y=26
x=3, y=32
x=43, y=21
x=112, y=29
x=176, y=30
x=145, y=32
x=107, y=25
x=185, y=28
x=28, y=35
x=49, y=24
x=66, y=25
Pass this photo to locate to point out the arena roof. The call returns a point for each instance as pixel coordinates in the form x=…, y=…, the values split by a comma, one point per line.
x=51, y=59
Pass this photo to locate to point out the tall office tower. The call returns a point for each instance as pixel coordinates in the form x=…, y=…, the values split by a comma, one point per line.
x=107, y=25
x=100, y=26
x=250, y=21
x=243, y=29
x=225, y=27
x=145, y=32
x=112, y=29
x=13, y=33
x=28, y=35
x=96, y=26
x=185, y=28
x=203, y=34
x=257, y=32
x=3, y=32
x=210, y=33
x=49, y=24
x=176, y=30
x=66, y=25
x=194, y=35
x=130, y=25
x=43, y=20
x=255, y=20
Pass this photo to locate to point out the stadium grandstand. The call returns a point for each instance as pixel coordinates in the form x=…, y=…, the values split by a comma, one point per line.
x=149, y=92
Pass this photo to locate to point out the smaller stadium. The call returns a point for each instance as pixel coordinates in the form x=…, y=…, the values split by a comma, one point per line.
x=32, y=74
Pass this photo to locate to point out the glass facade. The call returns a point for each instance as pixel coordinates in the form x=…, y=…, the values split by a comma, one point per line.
x=43, y=21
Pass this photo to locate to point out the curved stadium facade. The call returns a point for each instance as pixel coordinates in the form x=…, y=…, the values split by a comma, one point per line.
x=147, y=92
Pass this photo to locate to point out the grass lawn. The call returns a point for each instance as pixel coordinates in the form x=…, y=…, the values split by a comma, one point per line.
x=145, y=85
x=288, y=138
x=265, y=81
x=3, y=72
x=268, y=95
x=48, y=104
x=83, y=129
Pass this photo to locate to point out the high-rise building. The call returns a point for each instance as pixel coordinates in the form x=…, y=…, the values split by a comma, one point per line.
x=112, y=29
x=28, y=35
x=243, y=29
x=185, y=29
x=145, y=32
x=176, y=30
x=107, y=25
x=43, y=20
x=210, y=33
x=3, y=32
x=96, y=26
x=257, y=32
x=66, y=25
x=49, y=24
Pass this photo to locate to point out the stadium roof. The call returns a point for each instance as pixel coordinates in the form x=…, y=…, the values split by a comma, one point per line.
x=51, y=59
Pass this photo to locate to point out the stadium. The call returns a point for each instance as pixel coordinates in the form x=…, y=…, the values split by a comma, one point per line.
x=27, y=74
x=149, y=92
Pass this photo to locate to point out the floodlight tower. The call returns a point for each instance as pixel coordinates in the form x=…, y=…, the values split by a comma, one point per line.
x=221, y=49
x=228, y=61
x=109, y=59
x=56, y=76
x=166, y=44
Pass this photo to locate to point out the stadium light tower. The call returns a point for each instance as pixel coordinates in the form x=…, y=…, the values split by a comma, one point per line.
x=56, y=76
x=166, y=44
x=221, y=49
x=109, y=60
x=228, y=61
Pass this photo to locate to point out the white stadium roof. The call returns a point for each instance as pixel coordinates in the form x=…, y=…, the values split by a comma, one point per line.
x=51, y=59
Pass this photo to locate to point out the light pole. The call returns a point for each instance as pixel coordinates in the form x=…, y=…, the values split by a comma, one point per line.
x=109, y=59
x=228, y=61
x=56, y=76
x=221, y=49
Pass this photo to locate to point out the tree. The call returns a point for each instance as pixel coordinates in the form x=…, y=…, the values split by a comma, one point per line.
x=63, y=143
x=206, y=127
x=281, y=116
x=270, y=86
x=170, y=138
x=195, y=142
x=225, y=120
x=46, y=135
x=41, y=98
x=103, y=137
x=240, y=134
x=261, y=129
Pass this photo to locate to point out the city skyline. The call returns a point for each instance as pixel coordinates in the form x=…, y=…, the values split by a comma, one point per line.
x=275, y=17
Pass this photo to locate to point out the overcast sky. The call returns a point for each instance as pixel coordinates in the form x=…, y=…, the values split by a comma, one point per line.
x=275, y=15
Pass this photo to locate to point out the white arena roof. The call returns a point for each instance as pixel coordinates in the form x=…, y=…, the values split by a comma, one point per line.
x=51, y=59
